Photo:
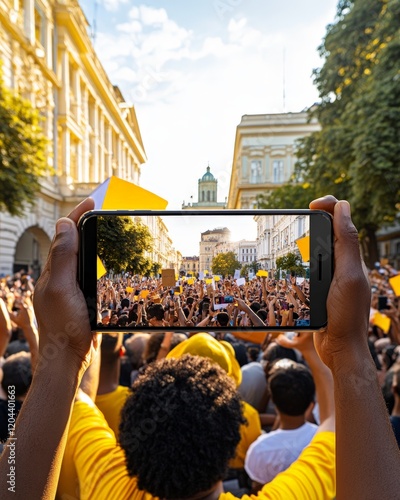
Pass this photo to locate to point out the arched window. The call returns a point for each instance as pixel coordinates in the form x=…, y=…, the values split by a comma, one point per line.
x=202, y=196
x=213, y=196
x=208, y=195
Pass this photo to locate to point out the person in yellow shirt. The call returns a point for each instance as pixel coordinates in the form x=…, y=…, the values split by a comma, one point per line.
x=179, y=429
x=203, y=344
x=111, y=396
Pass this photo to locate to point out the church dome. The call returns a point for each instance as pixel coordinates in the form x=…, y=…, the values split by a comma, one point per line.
x=208, y=176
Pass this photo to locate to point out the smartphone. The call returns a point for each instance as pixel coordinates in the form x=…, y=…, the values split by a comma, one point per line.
x=108, y=248
x=382, y=302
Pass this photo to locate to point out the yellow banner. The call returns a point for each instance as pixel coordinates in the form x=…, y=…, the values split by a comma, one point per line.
x=101, y=270
x=261, y=273
x=395, y=284
x=303, y=245
x=382, y=321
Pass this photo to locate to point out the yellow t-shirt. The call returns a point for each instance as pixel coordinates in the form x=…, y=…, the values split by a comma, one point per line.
x=248, y=434
x=111, y=404
x=100, y=464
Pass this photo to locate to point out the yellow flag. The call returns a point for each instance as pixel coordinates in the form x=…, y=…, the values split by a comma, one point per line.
x=129, y=289
x=261, y=272
x=216, y=278
x=115, y=193
x=382, y=321
x=101, y=270
x=208, y=281
x=190, y=281
x=395, y=284
x=303, y=245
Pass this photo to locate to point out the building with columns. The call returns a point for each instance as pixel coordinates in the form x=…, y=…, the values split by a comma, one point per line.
x=207, y=194
x=47, y=57
x=277, y=235
x=265, y=154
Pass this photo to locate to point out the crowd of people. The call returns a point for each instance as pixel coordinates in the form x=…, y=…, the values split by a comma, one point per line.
x=131, y=301
x=198, y=415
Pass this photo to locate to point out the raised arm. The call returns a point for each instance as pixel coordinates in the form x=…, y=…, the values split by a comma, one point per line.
x=367, y=455
x=256, y=320
x=65, y=350
x=5, y=327
x=321, y=374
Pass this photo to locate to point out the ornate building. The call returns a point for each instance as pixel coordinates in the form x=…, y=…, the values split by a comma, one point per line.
x=48, y=58
x=207, y=194
x=208, y=242
x=265, y=154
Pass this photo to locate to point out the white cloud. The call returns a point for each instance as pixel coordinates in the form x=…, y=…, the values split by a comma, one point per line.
x=190, y=89
x=113, y=5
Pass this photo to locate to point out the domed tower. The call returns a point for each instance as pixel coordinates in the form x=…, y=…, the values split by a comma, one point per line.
x=207, y=195
x=208, y=188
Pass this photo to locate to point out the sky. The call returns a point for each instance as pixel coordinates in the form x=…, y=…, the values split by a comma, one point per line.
x=193, y=68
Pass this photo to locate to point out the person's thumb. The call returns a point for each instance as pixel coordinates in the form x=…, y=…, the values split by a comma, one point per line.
x=349, y=266
x=63, y=253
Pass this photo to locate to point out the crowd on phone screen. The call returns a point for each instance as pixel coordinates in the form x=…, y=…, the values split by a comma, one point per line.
x=132, y=301
x=272, y=380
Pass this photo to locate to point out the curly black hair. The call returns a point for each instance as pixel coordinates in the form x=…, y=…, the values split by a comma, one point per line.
x=180, y=427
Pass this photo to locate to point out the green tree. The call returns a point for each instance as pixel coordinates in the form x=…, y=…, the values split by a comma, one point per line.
x=356, y=153
x=225, y=264
x=291, y=262
x=249, y=267
x=22, y=152
x=122, y=243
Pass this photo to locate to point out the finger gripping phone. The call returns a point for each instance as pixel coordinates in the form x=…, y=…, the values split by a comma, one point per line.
x=195, y=252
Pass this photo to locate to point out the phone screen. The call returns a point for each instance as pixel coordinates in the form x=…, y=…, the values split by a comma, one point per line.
x=250, y=255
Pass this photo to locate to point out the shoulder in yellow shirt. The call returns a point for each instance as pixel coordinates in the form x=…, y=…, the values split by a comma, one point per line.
x=111, y=404
x=310, y=477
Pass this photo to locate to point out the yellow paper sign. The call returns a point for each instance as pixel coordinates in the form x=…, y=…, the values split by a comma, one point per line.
x=190, y=281
x=216, y=278
x=261, y=272
x=208, y=281
x=382, y=321
x=144, y=293
x=303, y=245
x=129, y=289
x=101, y=270
x=395, y=284
x=177, y=290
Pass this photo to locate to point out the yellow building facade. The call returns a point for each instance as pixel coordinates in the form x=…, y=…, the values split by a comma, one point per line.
x=47, y=57
x=265, y=154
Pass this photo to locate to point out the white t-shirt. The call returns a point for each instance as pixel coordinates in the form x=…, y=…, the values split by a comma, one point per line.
x=274, y=452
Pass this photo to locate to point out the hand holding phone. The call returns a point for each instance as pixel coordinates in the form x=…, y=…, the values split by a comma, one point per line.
x=315, y=255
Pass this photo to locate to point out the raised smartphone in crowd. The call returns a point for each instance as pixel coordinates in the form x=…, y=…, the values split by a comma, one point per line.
x=230, y=270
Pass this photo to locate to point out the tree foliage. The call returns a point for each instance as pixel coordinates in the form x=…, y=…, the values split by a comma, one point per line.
x=250, y=267
x=291, y=262
x=22, y=152
x=355, y=155
x=122, y=244
x=225, y=264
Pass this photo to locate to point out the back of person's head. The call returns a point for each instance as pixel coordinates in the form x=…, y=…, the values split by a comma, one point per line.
x=180, y=427
x=111, y=344
x=292, y=389
x=156, y=311
x=17, y=372
x=154, y=343
x=255, y=306
x=275, y=351
x=135, y=347
x=223, y=318
x=263, y=314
